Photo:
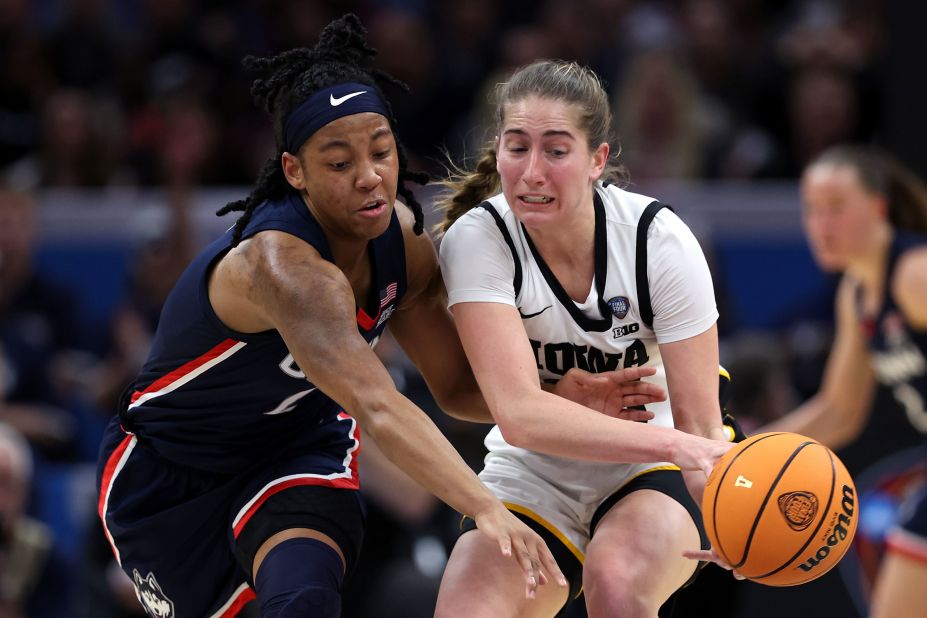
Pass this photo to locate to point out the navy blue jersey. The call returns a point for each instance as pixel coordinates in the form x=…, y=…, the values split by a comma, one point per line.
x=899, y=352
x=215, y=399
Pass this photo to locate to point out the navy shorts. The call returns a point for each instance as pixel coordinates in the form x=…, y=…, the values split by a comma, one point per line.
x=187, y=537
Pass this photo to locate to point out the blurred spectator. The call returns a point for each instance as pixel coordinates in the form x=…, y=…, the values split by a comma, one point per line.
x=519, y=46
x=183, y=147
x=567, y=29
x=658, y=118
x=823, y=111
x=174, y=141
x=298, y=24
x=828, y=54
x=818, y=38
x=712, y=46
x=27, y=587
x=78, y=146
x=156, y=266
x=411, y=57
x=174, y=137
x=83, y=51
x=36, y=327
x=24, y=80
x=743, y=56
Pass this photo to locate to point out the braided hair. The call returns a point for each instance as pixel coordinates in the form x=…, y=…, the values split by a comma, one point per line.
x=292, y=77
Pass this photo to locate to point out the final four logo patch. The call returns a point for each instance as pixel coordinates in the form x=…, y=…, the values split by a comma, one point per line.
x=619, y=306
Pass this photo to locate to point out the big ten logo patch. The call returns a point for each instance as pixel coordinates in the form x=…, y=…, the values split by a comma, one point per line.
x=625, y=330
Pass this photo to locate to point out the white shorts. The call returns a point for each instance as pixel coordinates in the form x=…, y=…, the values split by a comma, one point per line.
x=565, y=509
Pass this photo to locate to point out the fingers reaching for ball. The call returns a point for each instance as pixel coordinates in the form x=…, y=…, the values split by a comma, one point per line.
x=709, y=555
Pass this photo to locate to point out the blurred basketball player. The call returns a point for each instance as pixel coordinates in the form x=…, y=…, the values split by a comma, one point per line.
x=866, y=216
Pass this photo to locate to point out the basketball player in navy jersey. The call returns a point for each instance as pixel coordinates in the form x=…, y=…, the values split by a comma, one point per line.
x=548, y=268
x=230, y=471
x=866, y=216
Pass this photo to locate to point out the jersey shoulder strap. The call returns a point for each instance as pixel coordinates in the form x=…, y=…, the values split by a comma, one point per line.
x=640, y=265
x=643, y=225
x=516, y=280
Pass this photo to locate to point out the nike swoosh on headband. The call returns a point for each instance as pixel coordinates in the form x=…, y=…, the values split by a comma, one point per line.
x=336, y=102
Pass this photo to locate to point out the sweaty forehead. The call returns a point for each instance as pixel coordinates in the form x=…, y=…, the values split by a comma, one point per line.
x=536, y=113
x=352, y=130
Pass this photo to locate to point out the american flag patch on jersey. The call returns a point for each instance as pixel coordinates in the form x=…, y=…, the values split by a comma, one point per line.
x=388, y=294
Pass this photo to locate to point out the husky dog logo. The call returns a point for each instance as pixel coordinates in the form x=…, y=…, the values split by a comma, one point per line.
x=619, y=306
x=798, y=508
x=152, y=597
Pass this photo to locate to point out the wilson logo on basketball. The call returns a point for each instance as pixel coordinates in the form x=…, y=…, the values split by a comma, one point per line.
x=842, y=528
x=798, y=508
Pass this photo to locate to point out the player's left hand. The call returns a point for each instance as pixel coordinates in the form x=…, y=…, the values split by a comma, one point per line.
x=613, y=393
x=518, y=541
x=710, y=555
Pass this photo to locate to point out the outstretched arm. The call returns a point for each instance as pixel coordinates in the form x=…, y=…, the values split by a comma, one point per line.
x=277, y=281
x=836, y=414
x=502, y=360
x=692, y=377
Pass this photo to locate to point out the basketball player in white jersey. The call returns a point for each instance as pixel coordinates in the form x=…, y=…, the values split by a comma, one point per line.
x=563, y=270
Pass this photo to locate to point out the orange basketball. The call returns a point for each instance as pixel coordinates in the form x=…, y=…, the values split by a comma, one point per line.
x=780, y=508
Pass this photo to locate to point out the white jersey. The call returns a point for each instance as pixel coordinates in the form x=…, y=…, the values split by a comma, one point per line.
x=607, y=330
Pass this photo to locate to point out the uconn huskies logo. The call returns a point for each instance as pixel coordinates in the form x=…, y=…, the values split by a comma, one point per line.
x=288, y=364
x=152, y=597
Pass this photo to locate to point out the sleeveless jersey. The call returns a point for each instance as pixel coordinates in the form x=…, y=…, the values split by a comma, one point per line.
x=608, y=330
x=219, y=400
x=898, y=351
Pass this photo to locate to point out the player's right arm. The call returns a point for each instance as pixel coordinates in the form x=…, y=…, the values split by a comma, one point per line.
x=836, y=414
x=529, y=417
x=478, y=268
x=277, y=281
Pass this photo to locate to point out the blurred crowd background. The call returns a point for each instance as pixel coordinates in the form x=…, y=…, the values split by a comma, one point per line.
x=124, y=124
x=101, y=93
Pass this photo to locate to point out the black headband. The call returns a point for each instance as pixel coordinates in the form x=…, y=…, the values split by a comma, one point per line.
x=327, y=105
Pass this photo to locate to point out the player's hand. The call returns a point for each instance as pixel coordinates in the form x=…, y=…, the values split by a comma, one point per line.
x=691, y=452
x=520, y=542
x=613, y=393
x=710, y=555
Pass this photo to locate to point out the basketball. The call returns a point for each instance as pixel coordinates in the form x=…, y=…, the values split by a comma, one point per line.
x=780, y=508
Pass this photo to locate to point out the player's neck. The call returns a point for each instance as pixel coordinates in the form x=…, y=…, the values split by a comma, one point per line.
x=350, y=257
x=568, y=248
x=568, y=241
